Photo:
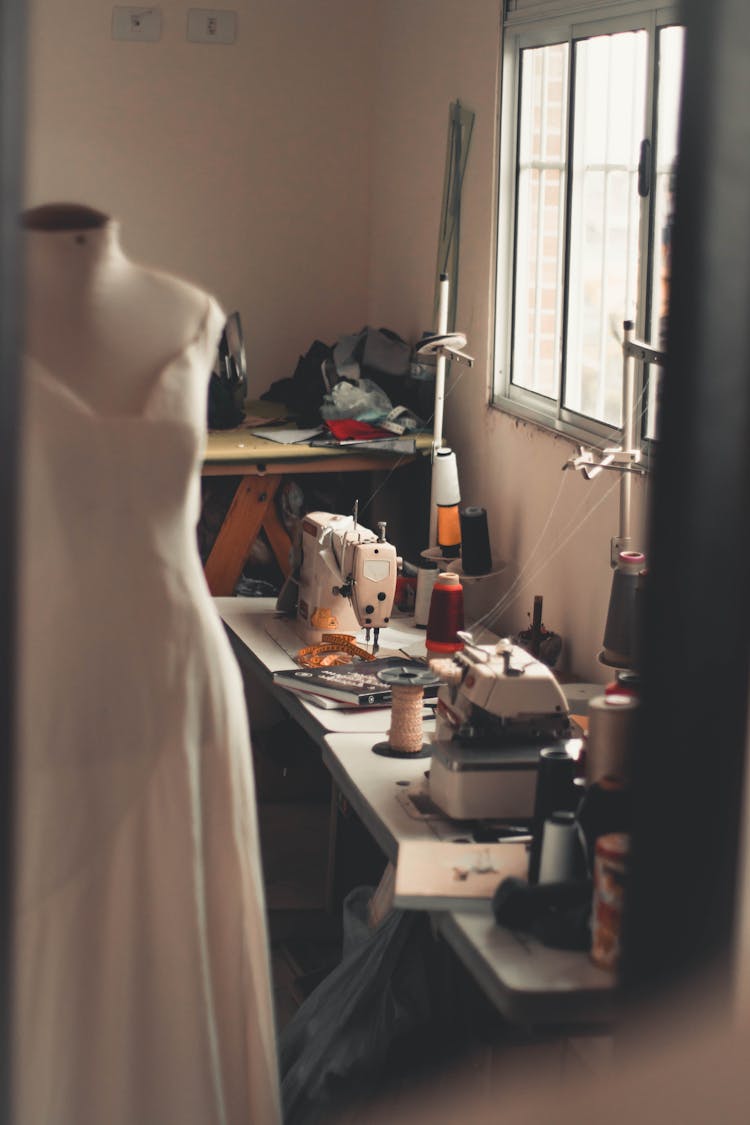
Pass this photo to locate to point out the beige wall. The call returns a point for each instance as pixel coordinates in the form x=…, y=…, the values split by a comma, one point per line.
x=243, y=168
x=431, y=53
x=298, y=175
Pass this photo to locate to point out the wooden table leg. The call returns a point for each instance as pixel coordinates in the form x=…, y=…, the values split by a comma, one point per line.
x=281, y=544
x=250, y=508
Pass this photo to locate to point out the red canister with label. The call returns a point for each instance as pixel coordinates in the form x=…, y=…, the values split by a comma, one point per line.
x=610, y=869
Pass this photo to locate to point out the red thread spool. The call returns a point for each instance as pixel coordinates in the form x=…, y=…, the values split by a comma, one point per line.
x=446, y=615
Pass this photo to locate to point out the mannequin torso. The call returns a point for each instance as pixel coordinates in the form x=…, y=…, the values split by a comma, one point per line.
x=141, y=975
x=104, y=325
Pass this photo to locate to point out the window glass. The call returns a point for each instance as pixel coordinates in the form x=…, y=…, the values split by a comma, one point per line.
x=540, y=213
x=608, y=126
x=582, y=250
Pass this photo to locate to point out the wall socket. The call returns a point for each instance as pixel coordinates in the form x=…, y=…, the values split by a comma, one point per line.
x=138, y=25
x=211, y=25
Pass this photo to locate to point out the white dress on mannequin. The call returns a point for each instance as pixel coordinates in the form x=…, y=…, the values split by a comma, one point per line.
x=142, y=988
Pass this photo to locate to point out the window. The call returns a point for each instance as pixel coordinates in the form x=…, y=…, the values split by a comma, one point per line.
x=589, y=128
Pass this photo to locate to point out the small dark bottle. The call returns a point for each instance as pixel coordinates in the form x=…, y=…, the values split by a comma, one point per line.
x=604, y=808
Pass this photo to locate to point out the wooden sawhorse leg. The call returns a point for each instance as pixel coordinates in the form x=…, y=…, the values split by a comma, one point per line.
x=252, y=507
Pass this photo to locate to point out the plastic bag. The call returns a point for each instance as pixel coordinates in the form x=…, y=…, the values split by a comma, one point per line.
x=336, y=1046
x=363, y=400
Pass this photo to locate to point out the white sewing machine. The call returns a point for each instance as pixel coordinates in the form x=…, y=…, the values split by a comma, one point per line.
x=347, y=577
x=497, y=709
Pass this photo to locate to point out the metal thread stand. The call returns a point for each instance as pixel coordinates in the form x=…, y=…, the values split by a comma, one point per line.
x=443, y=345
x=626, y=458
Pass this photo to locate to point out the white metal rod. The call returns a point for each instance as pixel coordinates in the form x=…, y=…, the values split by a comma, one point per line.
x=442, y=328
x=628, y=428
x=438, y=411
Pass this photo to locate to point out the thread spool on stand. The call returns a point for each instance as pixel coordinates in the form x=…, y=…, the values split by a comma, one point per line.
x=446, y=617
x=609, y=743
x=447, y=497
x=405, y=739
x=621, y=640
x=556, y=790
x=476, y=555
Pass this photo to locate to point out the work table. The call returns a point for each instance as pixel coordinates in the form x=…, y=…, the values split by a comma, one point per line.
x=260, y=464
x=529, y=983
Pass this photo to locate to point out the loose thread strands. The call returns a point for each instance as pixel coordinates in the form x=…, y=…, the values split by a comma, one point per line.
x=515, y=591
x=518, y=585
x=569, y=529
x=508, y=596
x=512, y=596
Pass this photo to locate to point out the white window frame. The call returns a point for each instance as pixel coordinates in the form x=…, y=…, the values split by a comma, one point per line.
x=542, y=23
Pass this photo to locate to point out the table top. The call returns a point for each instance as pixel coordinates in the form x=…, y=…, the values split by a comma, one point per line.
x=269, y=639
x=240, y=446
x=528, y=982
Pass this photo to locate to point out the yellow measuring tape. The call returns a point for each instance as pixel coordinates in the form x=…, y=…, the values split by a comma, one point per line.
x=334, y=648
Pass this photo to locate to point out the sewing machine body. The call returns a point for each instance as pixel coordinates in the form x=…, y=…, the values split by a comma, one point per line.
x=347, y=577
x=491, y=724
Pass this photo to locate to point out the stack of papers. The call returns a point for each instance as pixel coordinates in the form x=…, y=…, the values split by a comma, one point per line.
x=287, y=435
x=339, y=433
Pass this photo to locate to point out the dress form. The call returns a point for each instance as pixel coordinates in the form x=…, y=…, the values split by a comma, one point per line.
x=105, y=325
x=141, y=979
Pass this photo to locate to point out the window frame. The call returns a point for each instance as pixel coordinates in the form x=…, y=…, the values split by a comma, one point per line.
x=543, y=27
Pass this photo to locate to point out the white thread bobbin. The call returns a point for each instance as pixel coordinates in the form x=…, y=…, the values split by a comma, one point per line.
x=407, y=693
x=447, y=670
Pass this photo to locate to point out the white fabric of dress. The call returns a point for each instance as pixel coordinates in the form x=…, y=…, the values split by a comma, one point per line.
x=142, y=986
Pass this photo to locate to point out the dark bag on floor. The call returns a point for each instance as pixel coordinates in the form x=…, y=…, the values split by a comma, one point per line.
x=337, y=1044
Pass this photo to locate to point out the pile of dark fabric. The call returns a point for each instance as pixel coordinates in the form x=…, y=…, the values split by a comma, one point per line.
x=558, y=914
x=303, y=392
x=377, y=354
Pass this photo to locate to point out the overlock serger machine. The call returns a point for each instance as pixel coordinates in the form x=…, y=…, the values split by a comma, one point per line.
x=347, y=577
x=497, y=708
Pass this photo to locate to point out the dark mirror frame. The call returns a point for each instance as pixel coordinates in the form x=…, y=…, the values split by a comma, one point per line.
x=689, y=798
x=684, y=895
x=12, y=87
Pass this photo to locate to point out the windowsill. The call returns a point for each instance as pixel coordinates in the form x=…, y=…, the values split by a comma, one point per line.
x=558, y=428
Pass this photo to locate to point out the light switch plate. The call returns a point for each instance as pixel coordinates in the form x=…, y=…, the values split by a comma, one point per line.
x=211, y=25
x=138, y=25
